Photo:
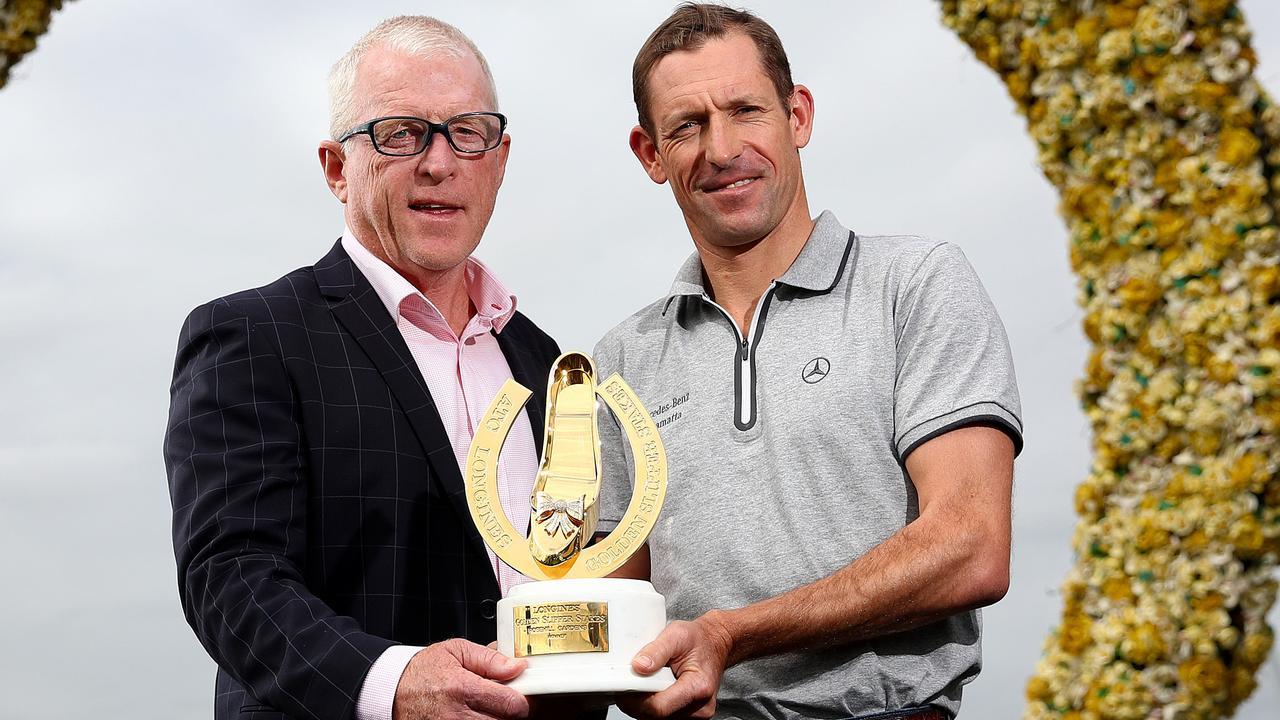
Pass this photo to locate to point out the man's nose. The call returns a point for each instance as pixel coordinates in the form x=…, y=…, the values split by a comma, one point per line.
x=439, y=160
x=723, y=145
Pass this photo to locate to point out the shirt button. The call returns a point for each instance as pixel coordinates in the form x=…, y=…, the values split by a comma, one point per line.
x=488, y=609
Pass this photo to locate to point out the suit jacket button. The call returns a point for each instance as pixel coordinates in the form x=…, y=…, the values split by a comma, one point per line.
x=488, y=609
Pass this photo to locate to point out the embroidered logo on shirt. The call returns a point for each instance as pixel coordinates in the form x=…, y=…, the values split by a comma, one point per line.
x=668, y=407
x=815, y=370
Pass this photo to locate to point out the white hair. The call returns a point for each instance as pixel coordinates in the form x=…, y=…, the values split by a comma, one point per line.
x=416, y=35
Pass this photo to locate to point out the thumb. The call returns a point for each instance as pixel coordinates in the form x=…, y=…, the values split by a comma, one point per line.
x=488, y=662
x=656, y=654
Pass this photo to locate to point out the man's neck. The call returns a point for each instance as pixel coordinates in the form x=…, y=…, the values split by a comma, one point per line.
x=446, y=289
x=739, y=276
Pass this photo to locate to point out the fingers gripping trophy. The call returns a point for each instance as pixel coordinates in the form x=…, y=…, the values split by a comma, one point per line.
x=576, y=629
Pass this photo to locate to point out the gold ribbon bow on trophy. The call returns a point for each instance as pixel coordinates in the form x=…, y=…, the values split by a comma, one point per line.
x=558, y=516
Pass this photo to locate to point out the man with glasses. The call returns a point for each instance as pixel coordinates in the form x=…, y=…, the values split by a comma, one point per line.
x=317, y=424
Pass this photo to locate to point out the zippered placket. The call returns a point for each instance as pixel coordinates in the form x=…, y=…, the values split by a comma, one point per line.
x=744, y=385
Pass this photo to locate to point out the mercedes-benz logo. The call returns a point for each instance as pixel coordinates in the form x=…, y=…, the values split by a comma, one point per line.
x=815, y=370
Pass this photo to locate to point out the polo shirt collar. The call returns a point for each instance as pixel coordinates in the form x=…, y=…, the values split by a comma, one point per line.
x=820, y=262
x=688, y=279
x=817, y=267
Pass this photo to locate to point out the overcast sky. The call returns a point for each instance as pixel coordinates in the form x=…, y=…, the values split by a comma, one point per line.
x=157, y=155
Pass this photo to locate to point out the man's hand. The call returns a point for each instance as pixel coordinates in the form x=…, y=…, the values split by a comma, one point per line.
x=561, y=707
x=459, y=679
x=697, y=653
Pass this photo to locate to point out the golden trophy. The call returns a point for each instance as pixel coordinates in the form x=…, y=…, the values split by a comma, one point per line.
x=577, y=629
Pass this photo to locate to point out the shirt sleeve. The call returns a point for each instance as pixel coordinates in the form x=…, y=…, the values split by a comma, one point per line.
x=954, y=367
x=378, y=693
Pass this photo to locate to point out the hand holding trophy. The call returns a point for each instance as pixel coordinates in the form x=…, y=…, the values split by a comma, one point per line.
x=577, y=630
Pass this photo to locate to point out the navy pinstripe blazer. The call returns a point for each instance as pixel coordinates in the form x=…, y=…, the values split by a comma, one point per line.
x=318, y=510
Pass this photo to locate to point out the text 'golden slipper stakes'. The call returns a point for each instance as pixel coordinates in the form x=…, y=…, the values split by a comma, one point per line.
x=577, y=630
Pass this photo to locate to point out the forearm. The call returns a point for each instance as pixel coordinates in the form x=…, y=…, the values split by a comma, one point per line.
x=936, y=566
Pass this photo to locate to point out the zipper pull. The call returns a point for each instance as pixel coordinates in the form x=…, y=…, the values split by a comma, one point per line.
x=746, y=350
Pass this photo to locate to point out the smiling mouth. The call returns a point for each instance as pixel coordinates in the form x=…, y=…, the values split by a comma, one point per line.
x=733, y=185
x=432, y=209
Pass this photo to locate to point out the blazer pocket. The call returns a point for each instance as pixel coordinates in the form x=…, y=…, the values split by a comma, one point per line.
x=260, y=712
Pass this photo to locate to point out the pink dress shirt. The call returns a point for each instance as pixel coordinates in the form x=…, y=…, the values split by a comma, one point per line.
x=464, y=373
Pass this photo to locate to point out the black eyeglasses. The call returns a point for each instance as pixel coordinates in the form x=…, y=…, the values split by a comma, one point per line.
x=473, y=132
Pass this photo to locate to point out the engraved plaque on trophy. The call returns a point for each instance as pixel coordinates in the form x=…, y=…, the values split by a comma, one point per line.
x=577, y=629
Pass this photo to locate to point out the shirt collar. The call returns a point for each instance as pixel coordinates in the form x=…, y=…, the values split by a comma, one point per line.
x=490, y=297
x=820, y=262
x=817, y=267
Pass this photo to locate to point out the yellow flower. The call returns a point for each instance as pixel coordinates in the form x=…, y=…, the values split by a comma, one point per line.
x=1039, y=689
x=1207, y=94
x=1246, y=536
x=1207, y=603
x=1088, y=499
x=1141, y=292
x=1150, y=537
x=1117, y=588
x=1220, y=370
x=1088, y=29
x=1157, y=27
x=1074, y=633
x=1242, y=685
x=1204, y=675
x=1059, y=49
x=1143, y=645
x=1264, y=282
x=1249, y=472
x=1256, y=647
x=1206, y=442
x=1208, y=11
x=1118, y=16
x=1227, y=637
x=1196, y=542
x=1237, y=145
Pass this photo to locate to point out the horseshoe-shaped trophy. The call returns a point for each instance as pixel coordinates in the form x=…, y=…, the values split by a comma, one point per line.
x=577, y=629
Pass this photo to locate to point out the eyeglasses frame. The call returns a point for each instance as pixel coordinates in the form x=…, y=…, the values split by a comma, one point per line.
x=432, y=128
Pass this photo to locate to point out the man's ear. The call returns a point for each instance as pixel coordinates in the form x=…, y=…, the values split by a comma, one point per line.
x=801, y=103
x=332, y=161
x=647, y=153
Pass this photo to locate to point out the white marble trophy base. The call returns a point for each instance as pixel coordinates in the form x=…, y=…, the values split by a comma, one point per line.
x=637, y=613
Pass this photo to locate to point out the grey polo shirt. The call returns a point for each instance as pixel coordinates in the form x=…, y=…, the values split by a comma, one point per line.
x=786, y=449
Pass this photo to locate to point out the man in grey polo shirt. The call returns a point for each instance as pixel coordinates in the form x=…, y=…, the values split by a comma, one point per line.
x=839, y=411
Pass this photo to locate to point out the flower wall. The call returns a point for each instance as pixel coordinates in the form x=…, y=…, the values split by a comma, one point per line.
x=1163, y=146
x=21, y=23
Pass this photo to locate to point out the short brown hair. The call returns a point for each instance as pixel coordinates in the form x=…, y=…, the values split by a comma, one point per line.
x=689, y=27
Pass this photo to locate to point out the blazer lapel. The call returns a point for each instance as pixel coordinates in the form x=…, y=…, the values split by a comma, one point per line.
x=361, y=312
